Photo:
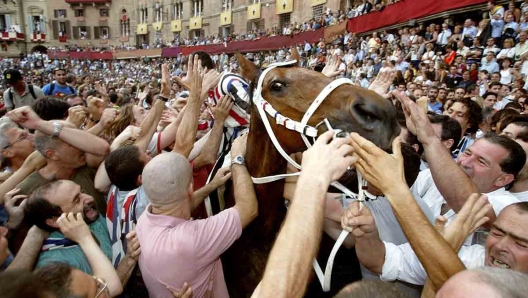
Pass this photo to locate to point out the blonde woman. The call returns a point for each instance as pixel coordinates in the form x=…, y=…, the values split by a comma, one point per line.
x=508, y=51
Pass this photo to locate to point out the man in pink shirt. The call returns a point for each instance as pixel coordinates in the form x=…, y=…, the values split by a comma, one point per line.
x=174, y=248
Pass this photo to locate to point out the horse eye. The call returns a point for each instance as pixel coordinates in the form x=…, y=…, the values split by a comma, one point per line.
x=276, y=86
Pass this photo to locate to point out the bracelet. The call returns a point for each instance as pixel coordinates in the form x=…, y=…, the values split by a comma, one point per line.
x=95, y=121
x=163, y=98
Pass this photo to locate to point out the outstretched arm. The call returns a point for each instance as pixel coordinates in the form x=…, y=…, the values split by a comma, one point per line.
x=455, y=185
x=385, y=172
x=289, y=264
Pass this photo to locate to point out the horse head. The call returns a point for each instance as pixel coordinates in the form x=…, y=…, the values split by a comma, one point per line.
x=291, y=90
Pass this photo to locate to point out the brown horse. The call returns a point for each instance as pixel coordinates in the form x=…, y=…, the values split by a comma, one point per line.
x=291, y=90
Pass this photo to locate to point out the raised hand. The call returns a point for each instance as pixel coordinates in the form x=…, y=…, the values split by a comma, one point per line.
x=358, y=221
x=468, y=219
x=383, y=81
x=331, y=68
x=16, y=213
x=416, y=117
x=165, y=81
x=210, y=80
x=133, y=247
x=222, y=176
x=26, y=117
x=108, y=116
x=239, y=146
x=328, y=158
x=77, y=115
x=221, y=111
x=74, y=228
x=381, y=169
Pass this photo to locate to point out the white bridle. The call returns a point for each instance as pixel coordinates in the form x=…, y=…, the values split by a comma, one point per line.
x=305, y=131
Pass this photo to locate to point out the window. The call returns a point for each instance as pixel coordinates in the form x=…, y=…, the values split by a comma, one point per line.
x=143, y=15
x=227, y=5
x=317, y=11
x=254, y=1
x=62, y=28
x=104, y=32
x=177, y=12
x=59, y=13
x=197, y=7
x=35, y=20
x=104, y=12
x=284, y=20
x=79, y=13
x=5, y=22
x=83, y=32
x=158, y=9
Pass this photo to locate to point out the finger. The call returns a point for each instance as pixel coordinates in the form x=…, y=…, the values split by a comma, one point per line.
x=324, y=138
x=80, y=217
x=339, y=142
x=70, y=216
x=227, y=177
x=345, y=150
x=479, y=224
x=440, y=222
x=396, y=148
x=483, y=212
x=367, y=145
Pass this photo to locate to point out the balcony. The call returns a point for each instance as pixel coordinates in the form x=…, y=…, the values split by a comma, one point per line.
x=157, y=26
x=103, y=41
x=142, y=29
x=88, y=1
x=176, y=26
x=225, y=18
x=253, y=11
x=124, y=39
x=12, y=36
x=38, y=37
x=195, y=23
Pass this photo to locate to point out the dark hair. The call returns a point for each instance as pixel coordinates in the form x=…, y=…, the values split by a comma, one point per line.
x=57, y=277
x=521, y=206
x=451, y=129
x=412, y=162
x=521, y=121
x=504, y=116
x=488, y=94
x=124, y=167
x=50, y=108
x=38, y=209
x=113, y=97
x=70, y=78
x=493, y=84
x=516, y=158
x=474, y=114
x=205, y=58
x=471, y=88
x=23, y=284
x=513, y=105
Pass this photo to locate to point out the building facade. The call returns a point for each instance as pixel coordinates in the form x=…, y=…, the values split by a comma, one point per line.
x=37, y=25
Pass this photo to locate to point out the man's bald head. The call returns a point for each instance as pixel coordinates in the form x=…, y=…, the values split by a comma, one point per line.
x=166, y=178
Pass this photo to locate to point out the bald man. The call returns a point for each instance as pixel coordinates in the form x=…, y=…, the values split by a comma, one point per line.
x=176, y=249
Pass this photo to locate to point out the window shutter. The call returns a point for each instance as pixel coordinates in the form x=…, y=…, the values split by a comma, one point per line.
x=65, y=13
x=68, y=30
x=55, y=27
x=8, y=21
x=88, y=33
x=43, y=26
x=56, y=14
x=97, y=32
x=108, y=30
x=75, y=32
x=30, y=25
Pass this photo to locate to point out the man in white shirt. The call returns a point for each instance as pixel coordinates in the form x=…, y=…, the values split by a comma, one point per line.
x=469, y=31
x=501, y=250
x=443, y=37
x=518, y=131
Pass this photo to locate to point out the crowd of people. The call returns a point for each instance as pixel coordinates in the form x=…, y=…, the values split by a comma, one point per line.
x=106, y=166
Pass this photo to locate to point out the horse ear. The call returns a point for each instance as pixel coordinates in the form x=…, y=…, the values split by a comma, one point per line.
x=295, y=55
x=248, y=69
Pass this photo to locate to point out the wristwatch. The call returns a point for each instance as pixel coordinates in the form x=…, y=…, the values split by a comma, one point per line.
x=57, y=128
x=163, y=98
x=238, y=160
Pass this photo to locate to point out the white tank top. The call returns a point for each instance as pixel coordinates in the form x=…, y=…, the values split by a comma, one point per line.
x=506, y=76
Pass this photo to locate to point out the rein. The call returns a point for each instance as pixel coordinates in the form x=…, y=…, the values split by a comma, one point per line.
x=264, y=109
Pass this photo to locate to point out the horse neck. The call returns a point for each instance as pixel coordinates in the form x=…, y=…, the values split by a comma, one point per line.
x=264, y=160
